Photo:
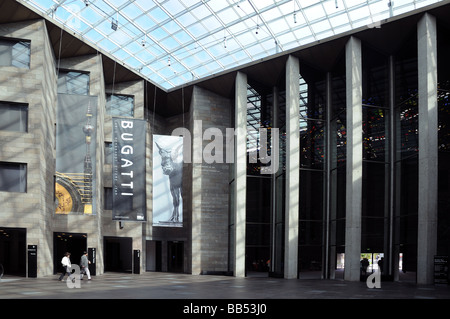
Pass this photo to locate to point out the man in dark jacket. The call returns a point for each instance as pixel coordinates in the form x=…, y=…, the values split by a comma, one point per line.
x=84, y=265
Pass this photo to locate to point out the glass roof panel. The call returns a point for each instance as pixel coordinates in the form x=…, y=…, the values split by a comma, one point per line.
x=339, y=20
x=143, y=22
x=158, y=15
x=228, y=15
x=218, y=5
x=131, y=11
x=145, y=5
x=173, y=6
x=314, y=12
x=186, y=19
x=172, y=42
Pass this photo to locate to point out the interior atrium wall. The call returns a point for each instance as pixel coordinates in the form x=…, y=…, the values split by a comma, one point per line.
x=353, y=182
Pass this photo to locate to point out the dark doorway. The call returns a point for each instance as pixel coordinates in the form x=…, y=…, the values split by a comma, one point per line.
x=175, y=254
x=158, y=256
x=258, y=225
x=74, y=243
x=118, y=254
x=13, y=251
x=257, y=260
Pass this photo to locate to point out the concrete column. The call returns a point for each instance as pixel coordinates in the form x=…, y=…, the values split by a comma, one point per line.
x=275, y=124
x=391, y=255
x=428, y=150
x=354, y=159
x=328, y=268
x=197, y=174
x=240, y=166
x=292, y=167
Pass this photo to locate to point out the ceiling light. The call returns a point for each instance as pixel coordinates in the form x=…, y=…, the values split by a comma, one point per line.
x=114, y=24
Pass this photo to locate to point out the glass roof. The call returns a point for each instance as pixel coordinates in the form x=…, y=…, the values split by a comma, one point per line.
x=172, y=42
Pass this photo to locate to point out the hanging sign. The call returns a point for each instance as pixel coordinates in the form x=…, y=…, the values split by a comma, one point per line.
x=76, y=137
x=129, y=170
x=167, y=181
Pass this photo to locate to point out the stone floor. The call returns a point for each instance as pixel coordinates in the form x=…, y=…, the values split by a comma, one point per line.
x=158, y=285
x=171, y=295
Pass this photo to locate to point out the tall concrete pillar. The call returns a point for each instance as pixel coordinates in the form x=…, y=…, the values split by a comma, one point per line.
x=240, y=173
x=354, y=159
x=428, y=149
x=274, y=253
x=292, y=167
x=329, y=259
x=197, y=159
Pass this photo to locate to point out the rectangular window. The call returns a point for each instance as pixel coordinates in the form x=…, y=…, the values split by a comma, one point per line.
x=13, y=117
x=15, y=53
x=108, y=200
x=71, y=82
x=120, y=105
x=13, y=177
x=108, y=152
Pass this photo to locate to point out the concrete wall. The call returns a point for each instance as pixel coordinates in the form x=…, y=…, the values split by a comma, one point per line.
x=210, y=188
x=37, y=88
x=164, y=126
x=89, y=224
x=205, y=185
x=110, y=227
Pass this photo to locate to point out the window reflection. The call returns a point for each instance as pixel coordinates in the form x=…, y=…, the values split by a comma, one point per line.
x=120, y=105
x=71, y=82
x=13, y=177
x=313, y=114
x=374, y=134
x=15, y=53
x=13, y=117
x=312, y=144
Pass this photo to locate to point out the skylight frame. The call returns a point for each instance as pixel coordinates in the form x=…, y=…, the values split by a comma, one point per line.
x=185, y=40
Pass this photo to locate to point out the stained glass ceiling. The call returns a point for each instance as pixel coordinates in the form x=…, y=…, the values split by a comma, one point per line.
x=173, y=42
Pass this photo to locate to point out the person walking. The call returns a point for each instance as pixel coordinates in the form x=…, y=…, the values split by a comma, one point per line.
x=84, y=265
x=364, y=266
x=380, y=265
x=67, y=265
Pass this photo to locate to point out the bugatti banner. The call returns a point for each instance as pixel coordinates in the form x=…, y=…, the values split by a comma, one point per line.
x=129, y=169
x=167, y=181
x=75, y=154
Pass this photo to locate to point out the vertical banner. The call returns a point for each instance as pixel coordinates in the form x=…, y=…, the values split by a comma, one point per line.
x=76, y=149
x=167, y=181
x=129, y=170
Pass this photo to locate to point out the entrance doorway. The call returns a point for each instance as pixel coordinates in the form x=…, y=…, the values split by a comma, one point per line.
x=259, y=222
x=74, y=243
x=153, y=255
x=175, y=254
x=257, y=261
x=374, y=261
x=13, y=251
x=118, y=254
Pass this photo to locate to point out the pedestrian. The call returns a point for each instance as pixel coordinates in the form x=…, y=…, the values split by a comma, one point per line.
x=67, y=265
x=364, y=265
x=380, y=264
x=84, y=264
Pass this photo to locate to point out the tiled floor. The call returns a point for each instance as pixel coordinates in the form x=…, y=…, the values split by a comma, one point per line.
x=153, y=285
